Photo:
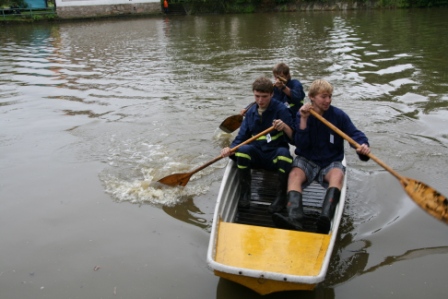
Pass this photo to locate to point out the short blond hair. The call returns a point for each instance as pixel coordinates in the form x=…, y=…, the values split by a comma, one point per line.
x=320, y=86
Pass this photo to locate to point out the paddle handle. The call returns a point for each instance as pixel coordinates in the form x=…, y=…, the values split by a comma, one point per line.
x=356, y=145
x=282, y=79
x=250, y=105
x=247, y=107
x=233, y=149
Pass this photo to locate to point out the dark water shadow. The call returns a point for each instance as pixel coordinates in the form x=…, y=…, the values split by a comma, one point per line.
x=229, y=289
x=188, y=212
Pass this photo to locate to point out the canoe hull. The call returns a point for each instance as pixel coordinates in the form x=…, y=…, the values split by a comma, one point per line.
x=265, y=286
x=258, y=255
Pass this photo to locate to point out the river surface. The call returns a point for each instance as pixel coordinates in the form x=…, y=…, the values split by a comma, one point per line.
x=92, y=113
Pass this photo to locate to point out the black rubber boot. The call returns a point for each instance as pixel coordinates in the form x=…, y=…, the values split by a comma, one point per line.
x=295, y=213
x=280, y=200
x=328, y=207
x=245, y=182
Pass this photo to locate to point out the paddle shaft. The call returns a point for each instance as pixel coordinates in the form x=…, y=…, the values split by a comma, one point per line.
x=356, y=145
x=250, y=105
x=233, y=149
x=429, y=199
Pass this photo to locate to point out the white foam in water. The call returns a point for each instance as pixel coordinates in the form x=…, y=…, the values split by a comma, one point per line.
x=150, y=191
x=136, y=167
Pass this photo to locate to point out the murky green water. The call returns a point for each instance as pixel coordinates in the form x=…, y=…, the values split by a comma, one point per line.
x=91, y=113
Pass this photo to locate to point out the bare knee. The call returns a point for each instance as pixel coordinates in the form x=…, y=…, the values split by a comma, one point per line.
x=296, y=179
x=335, y=178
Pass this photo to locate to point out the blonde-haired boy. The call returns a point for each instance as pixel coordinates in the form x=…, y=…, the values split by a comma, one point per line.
x=319, y=156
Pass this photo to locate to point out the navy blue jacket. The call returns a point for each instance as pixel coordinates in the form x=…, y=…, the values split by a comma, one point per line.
x=253, y=124
x=320, y=144
x=297, y=95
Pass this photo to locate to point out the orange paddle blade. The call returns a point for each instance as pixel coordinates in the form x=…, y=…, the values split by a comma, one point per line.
x=427, y=198
x=231, y=123
x=177, y=179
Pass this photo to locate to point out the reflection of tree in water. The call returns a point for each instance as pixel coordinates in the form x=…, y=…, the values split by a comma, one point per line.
x=348, y=260
x=188, y=212
x=351, y=259
x=409, y=255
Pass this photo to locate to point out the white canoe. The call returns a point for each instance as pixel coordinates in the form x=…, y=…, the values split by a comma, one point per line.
x=246, y=248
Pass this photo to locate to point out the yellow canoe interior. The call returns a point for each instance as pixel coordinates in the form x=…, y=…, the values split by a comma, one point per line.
x=271, y=250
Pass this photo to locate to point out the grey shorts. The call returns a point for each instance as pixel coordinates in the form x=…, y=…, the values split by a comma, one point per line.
x=315, y=172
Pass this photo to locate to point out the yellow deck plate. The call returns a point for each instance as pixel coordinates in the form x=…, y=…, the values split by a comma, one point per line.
x=270, y=249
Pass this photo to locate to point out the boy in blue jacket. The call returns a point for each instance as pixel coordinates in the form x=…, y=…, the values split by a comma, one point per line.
x=319, y=152
x=286, y=90
x=269, y=152
x=290, y=92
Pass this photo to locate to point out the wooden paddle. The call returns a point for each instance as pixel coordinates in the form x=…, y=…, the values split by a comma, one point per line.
x=423, y=195
x=181, y=179
x=231, y=123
